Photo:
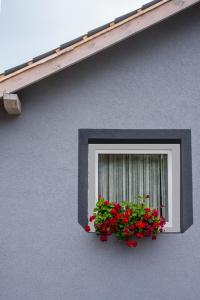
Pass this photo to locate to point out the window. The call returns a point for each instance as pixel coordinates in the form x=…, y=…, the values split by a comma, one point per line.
x=122, y=164
x=121, y=172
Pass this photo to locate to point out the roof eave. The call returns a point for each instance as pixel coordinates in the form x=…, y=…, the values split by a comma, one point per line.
x=90, y=45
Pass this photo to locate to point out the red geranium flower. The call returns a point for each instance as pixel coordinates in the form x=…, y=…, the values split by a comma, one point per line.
x=147, y=216
x=87, y=228
x=140, y=224
x=131, y=244
x=106, y=202
x=127, y=213
x=156, y=225
x=155, y=213
x=92, y=218
x=106, y=223
x=162, y=221
x=139, y=235
x=131, y=227
x=113, y=211
x=104, y=229
x=125, y=220
x=103, y=238
x=127, y=232
x=117, y=206
x=113, y=221
x=120, y=216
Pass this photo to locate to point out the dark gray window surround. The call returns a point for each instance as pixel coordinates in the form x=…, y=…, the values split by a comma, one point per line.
x=157, y=136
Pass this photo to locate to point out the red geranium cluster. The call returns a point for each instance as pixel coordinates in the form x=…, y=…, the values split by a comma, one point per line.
x=126, y=221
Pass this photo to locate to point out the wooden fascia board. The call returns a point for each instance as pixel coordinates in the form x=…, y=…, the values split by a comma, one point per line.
x=92, y=45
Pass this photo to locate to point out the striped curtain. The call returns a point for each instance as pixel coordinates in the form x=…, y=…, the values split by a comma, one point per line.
x=122, y=177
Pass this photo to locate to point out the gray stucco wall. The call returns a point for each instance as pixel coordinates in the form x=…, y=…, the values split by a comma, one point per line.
x=150, y=81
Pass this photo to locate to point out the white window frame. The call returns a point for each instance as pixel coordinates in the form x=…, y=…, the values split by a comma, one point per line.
x=173, y=158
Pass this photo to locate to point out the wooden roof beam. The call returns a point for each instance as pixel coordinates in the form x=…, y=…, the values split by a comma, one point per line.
x=12, y=104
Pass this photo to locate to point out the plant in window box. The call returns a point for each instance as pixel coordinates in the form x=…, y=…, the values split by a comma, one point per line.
x=126, y=220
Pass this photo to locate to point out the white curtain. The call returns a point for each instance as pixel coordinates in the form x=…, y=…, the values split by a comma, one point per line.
x=121, y=177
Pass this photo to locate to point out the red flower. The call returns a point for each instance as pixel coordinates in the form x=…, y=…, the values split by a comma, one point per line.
x=120, y=216
x=151, y=228
x=92, y=218
x=87, y=228
x=162, y=221
x=131, y=244
x=103, y=229
x=106, y=202
x=139, y=235
x=99, y=196
x=127, y=232
x=125, y=220
x=131, y=227
x=106, y=223
x=117, y=206
x=147, y=216
x=140, y=224
x=155, y=213
x=103, y=238
x=113, y=221
x=156, y=225
x=113, y=211
x=128, y=213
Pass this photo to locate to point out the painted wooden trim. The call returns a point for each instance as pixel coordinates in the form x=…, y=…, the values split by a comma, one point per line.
x=92, y=45
x=173, y=153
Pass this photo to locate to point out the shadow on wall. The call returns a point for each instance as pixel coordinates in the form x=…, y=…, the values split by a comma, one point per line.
x=3, y=114
x=113, y=246
x=5, y=117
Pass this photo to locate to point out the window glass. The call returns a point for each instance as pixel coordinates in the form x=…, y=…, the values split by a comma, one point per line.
x=122, y=177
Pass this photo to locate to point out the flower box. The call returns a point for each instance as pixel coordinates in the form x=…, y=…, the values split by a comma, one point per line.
x=127, y=221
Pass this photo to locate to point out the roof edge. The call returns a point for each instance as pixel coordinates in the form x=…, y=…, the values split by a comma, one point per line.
x=88, y=45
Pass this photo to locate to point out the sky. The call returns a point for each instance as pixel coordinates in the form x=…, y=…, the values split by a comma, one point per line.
x=31, y=27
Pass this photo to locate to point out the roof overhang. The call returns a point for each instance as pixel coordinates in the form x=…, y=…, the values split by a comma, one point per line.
x=90, y=45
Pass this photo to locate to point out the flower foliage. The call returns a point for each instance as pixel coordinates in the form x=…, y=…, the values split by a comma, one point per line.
x=127, y=221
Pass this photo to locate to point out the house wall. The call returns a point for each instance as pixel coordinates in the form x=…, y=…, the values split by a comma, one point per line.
x=149, y=81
